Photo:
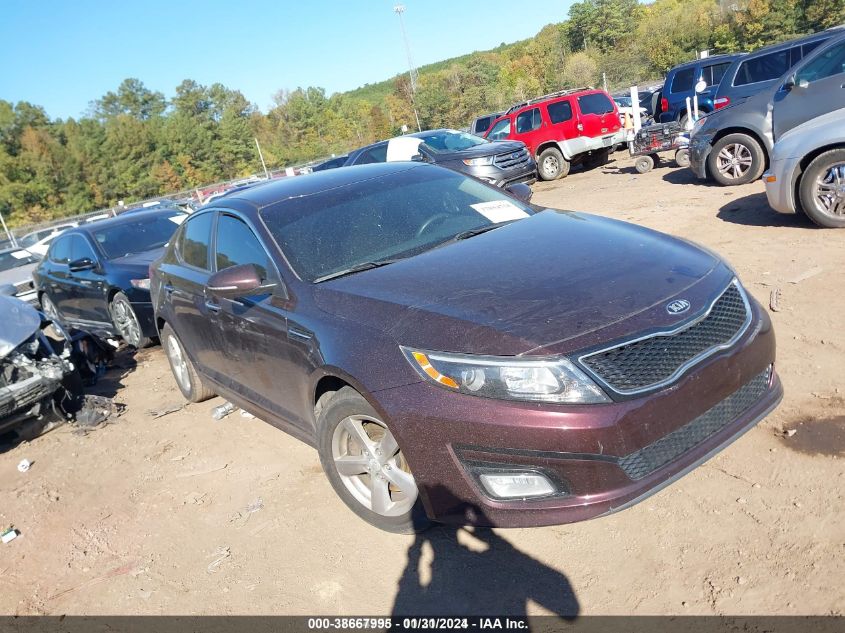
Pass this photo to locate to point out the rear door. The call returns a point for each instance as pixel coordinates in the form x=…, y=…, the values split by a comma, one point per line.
x=183, y=283
x=819, y=88
x=563, y=125
x=598, y=116
x=54, y=276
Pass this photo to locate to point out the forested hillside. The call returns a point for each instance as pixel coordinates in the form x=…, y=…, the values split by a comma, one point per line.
x=137, y=143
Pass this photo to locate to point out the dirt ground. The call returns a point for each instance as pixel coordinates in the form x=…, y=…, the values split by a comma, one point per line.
x=184, y=514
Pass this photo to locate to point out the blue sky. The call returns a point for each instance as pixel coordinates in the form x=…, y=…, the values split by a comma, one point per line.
x=62, y=55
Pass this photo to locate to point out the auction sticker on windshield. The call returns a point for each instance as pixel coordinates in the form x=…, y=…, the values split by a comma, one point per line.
x=21, y=254
x=499, y=210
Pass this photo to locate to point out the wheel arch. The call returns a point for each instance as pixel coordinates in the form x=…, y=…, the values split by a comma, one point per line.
x=329, y=379
x=804, y=163
x=744, y=130
x=561, y=147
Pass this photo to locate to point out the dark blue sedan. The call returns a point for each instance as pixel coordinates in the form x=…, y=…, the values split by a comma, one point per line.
x=96, y=276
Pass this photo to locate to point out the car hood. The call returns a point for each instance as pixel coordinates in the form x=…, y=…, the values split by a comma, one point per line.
x=484, y=149
x=20, y=321
x=554, y=279
x=137, y=262
x=17, y=275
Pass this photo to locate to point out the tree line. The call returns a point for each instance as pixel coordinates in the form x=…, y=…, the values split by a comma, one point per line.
x=134, y=143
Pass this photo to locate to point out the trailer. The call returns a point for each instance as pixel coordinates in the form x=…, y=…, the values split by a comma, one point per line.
x=648, y=142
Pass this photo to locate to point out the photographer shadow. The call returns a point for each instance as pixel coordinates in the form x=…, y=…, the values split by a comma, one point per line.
x=472, y=571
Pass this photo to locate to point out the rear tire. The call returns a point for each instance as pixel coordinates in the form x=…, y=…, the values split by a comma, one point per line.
x=126, y=322
x=821, y=194
x=597, y=159
x=551, y=164
x=365, y=465
x=187, y=378
x=736, y=159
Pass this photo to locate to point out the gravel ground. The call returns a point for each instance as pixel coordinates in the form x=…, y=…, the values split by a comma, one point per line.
x=181, y=514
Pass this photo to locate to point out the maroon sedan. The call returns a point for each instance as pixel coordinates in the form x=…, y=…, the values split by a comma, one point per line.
x=458, y=355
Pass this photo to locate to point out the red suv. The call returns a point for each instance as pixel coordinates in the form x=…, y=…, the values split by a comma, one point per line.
x=562, y=128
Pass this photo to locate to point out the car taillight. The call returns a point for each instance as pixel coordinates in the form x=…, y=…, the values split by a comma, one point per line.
x=721, y=102
x=664, y=104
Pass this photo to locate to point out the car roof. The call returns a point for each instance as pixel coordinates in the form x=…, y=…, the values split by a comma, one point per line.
x=826, y=34
x=309, y=184
x=728, y=57
x=123, y=218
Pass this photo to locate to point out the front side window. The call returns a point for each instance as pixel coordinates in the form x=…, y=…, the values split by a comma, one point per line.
x=500, y=131
x=194, y=242
x=81, y=249
x=394, y=216
x=831, y=62
x=684, y=80
x=560, y=111
x=763, y=68
x=236, y=244
x=595, y=103
x=377, y=154
x=528, y=121
x=60, y=250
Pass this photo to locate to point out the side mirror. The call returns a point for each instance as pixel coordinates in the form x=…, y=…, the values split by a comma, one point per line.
x=236, y=281
x=521, y=191
x=789, y=84
x=78, y=265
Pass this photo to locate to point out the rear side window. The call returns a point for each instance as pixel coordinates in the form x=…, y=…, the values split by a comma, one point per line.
x=500, y=130
x=236, y=244
x=712, y=75
x=560, y=112
x=595, y=103
x=683, y=81
x=193, y=245
x=60, y=250
x=830, y=62
x=377, y=154
x=481, y=125
x=763, y=68
x=528, y=121
x=806, y=48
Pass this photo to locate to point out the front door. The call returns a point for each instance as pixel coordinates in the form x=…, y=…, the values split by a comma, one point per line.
x=256, y=353
x=819, y=88
x=87, y=288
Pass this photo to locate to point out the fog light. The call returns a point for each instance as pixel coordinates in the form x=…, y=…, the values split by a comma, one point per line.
x=514, y=485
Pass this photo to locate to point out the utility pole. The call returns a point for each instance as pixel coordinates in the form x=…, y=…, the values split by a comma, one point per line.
x=261, y=156
x=399, y=9
x=6, y=229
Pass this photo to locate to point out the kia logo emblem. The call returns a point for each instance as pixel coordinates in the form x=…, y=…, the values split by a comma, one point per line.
x=678, y=306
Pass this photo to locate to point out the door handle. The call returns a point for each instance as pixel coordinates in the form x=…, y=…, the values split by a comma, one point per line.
x=212, y=307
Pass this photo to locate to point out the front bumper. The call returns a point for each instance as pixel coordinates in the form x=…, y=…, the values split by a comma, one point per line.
x=589, y=451
x=699, y=149
x=781, y=192
x=504, y=177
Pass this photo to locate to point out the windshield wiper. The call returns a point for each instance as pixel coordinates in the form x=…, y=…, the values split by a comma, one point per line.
x=478, y=231
x=357, y=268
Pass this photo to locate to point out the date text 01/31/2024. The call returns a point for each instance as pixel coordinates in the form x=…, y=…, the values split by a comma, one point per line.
x=416, y=623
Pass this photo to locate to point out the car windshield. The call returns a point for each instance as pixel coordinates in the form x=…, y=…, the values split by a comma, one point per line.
x=15, y=259
x=393, y=216
x=137, y=234
x=451, y=140
x=624, y=102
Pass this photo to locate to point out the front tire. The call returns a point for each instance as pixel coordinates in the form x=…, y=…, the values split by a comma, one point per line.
x=187, y=378
x=736, y=159
x=822, y=190
x=365, y=465
x=551, y=164
x=126, y=321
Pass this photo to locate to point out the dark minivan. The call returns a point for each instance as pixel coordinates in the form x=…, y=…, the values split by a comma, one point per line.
x=457, y=355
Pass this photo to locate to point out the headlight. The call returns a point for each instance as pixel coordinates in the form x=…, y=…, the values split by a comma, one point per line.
x=143, y=284
x=475, y=162
x=507, y=377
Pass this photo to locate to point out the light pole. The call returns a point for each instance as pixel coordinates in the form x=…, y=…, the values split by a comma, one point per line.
x=399, y=9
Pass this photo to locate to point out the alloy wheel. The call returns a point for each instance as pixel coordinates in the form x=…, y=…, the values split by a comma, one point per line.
x=371, y=466
x=178, y=364
x=734, y=161
x=829, y=191
x=126, y=323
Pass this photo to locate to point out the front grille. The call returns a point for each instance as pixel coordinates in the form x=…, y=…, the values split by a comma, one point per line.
x=512, y=159
x=24, y=394
x=658, y=359
x=669, y=447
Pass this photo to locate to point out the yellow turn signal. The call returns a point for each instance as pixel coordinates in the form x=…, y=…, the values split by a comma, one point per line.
x=425, y=365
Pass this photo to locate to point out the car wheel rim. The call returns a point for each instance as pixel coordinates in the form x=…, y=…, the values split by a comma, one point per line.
x=178, y=363
x=371, y=466
x=734, y=161
x=550, y=165
x=830, y=191
x=126, y=323
x=49, y=309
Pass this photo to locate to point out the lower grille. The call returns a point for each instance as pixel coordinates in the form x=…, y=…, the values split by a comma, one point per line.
x=24, y=394
x=669, y=447
x=658, y=359
x=512, y=159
